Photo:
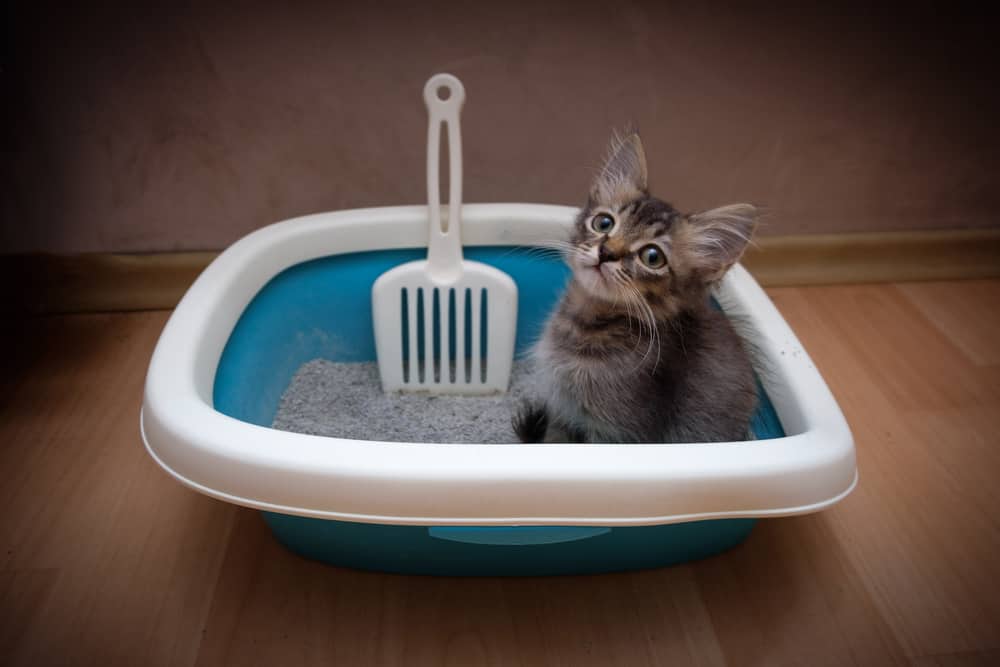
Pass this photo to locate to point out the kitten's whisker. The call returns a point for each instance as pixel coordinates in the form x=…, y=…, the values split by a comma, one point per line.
x=545, y=252
x=561, y=246
x=550, y=248
x=640, y=314
x=622, y=280
x=533, y=252
x=619, y=279
x=655, y=337
x=654, y=332
x=647, y=317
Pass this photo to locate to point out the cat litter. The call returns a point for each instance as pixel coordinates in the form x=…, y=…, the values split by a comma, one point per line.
x=347, y=401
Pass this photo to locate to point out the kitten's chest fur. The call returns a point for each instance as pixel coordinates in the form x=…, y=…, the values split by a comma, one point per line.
x=610, y=378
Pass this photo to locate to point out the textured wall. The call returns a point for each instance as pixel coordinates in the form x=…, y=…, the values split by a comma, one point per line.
x=140, y=129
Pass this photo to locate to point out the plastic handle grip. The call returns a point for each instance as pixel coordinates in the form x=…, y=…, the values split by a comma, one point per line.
x=516, y=535
x=444, y=254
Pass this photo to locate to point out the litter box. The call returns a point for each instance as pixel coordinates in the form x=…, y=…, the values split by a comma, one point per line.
x=300, y=290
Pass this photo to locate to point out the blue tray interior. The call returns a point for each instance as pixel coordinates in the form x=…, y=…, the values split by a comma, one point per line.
x=322, y=309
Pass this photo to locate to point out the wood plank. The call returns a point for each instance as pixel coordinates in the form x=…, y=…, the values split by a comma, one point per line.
x=137, y=554
x=964, y=659
x=913, y=518
x=792, y=596
x=966, y=312
x=23, y=593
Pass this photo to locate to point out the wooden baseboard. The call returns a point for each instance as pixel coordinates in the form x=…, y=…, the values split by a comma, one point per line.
x=100, y=282
x=116, y=282
x=830, y=259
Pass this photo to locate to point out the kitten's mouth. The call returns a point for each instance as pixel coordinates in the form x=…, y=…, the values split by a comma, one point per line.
x=605, y=276
x=596, y=280
x=596, y=270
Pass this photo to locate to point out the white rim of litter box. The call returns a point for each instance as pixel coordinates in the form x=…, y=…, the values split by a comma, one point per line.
x=449, y=484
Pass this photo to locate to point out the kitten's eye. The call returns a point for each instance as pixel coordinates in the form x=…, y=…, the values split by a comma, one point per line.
x=602, y=223
x=652, y=256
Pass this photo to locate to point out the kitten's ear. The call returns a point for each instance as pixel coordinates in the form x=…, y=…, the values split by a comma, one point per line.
x=715, y=240
x=623, y=176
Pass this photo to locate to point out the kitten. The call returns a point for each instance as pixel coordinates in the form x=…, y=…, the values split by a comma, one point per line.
x=634, y=351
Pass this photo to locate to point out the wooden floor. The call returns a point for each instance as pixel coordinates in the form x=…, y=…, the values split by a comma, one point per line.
x=106, y=560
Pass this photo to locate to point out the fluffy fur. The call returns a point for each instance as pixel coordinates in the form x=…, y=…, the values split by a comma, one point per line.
x=634, y=352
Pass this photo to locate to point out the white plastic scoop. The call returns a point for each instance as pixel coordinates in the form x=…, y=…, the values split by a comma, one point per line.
x=444, y=325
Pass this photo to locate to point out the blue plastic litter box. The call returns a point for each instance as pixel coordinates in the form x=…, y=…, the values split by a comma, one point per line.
x=300, y=290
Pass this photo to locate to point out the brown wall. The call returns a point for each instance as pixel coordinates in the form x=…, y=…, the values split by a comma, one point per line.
x=138, y=129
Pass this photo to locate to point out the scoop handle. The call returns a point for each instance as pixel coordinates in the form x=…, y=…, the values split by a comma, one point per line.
x=444, y=253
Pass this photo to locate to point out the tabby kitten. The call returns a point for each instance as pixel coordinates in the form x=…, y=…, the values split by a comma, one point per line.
x=634, y=351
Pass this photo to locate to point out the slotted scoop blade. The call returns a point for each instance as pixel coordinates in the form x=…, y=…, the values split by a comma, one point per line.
x=444, y=325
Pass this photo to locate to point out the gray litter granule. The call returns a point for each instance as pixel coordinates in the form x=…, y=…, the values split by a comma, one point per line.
x=345, y=400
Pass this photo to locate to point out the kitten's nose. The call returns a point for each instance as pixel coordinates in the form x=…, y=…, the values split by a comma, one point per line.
x=605, y=255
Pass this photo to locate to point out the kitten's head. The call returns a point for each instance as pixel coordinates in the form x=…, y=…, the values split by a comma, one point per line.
x=630, y=247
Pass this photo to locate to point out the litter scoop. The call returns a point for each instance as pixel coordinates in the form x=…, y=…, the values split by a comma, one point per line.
x=444, y=325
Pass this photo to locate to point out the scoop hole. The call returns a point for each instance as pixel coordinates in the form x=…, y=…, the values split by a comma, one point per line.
x=467, y=335
x=404, y=317
x=436, y=318
x=452, y=339
x=483, y=338
x=421, y=339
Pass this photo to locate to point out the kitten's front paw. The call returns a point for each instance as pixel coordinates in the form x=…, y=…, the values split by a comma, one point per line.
x=531, y=421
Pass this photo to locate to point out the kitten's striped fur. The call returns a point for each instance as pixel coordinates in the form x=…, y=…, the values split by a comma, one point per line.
x=634, y=352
